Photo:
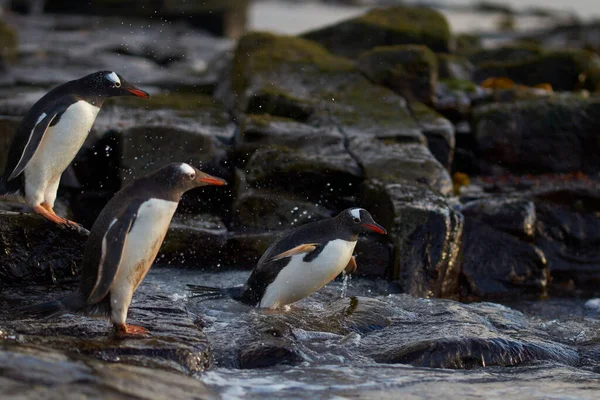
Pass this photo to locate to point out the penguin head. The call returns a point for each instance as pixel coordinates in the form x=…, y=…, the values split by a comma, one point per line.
x=359, y=220
x=182, y=177
x=110, y=84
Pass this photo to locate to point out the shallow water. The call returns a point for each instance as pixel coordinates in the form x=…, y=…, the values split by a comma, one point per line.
x=334, y=366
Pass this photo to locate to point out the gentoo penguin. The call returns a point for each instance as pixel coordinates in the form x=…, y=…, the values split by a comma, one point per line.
x=301, y=261
x=51, y=134
x=123, y=243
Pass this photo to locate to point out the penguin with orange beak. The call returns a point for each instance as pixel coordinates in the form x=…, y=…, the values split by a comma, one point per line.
x=123, y=244
x=301, y=262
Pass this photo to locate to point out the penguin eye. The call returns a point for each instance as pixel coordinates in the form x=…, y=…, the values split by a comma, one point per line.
x=117, y=84
x=357, y=220
x=192, y=175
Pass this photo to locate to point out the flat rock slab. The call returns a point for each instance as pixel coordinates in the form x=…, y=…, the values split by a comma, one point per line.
x=30, y=372
x=176, y=341
x=34, y=250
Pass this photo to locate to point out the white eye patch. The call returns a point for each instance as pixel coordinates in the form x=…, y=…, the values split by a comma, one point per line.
x=186, y=169
x=355, y=212
x=114, y=78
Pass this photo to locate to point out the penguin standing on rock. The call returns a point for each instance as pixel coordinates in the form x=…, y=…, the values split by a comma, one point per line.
x=51, y=134
x=123, y=244
x=301, y=262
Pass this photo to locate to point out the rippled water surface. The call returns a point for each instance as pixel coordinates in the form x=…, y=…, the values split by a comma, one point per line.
x=333, y=368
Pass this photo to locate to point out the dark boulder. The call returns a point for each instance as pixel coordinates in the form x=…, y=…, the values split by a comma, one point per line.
x=515, y=215
x=35, y=250
x=426, y=232
x=557, y=134
x=439, y=132
x=496, y=265
x=409, y=70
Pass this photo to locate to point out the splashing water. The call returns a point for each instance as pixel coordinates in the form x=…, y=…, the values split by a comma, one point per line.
x=345, y=283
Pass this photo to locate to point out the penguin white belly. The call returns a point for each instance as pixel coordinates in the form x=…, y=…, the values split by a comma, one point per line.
x=58, y=148
x=141, y=248
x=299, y=279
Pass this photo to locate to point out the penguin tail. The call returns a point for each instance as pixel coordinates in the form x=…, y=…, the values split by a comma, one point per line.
x=51, y=309
x=209, y=292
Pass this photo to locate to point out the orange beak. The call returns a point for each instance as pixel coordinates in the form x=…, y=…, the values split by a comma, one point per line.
x=139, y=93
x=376, y=228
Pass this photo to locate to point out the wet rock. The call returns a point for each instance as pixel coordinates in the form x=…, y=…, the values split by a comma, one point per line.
x=296, y=156
x=244, y=249
x=567, y=231
x=464, y=336
x=266, y=210
x=452, y=66
x=374, y=257
x=510, y=53
x=193, y=240
x=426, y=233
x=194, y=127
x=157, y=54
x=8, y=127
x=559, y=129
x=408, y=70
x=563, y=70
x=31, y=372
x=395, y=162
x=35, y=250
x=384, y=27
x=175, y=342
x=515, y=216
x=263, y=355
x=496, y=265
x=438, y=131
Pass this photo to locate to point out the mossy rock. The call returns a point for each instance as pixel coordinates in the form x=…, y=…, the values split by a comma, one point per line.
x=510, y=53
x=391, y=162
x=386, y=26
x=466, y=42
x=563, y=70
x=459, y=85
x=299, y=79
x=409, y=70
x=260, y=52
x=8, y=43
x=452, y=66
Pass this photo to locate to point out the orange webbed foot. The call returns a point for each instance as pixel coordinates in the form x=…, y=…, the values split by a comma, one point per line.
x=130, y=330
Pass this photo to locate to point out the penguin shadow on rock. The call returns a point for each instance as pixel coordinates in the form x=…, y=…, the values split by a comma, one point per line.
x=123, y=244
x=300, y=262
x=50, y=136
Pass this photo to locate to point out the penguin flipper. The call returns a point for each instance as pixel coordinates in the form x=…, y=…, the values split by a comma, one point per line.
x=31, y=142
x=113, y=244
x=302, y=249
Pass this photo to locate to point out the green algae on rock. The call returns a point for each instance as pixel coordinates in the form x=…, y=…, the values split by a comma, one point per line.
x=509, y=53
x=386, y=26
x=409, y=70
x=562, y=69
x=453, y=66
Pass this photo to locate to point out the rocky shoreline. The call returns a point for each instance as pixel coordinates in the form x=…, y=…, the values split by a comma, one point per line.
x=482, y=164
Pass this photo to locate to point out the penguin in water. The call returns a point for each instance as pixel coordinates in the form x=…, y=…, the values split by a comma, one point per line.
x=300, y=262
x=51, y=134
x=123, y=243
